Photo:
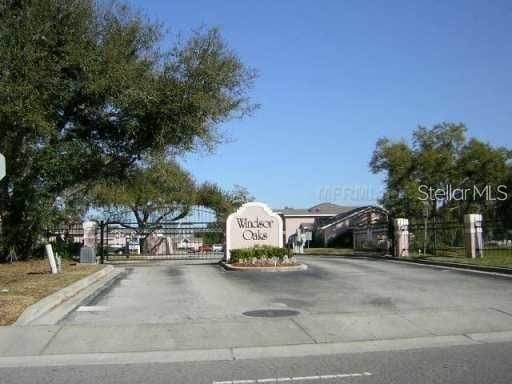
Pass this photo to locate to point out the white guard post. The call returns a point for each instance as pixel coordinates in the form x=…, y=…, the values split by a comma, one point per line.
x=51, y=258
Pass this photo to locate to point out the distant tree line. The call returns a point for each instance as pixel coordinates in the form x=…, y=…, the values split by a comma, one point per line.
x=441, y=158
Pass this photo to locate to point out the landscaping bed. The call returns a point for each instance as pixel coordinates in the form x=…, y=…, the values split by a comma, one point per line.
x=26, y=282
x=328, y=251
x=266, y=264
x=265, y=258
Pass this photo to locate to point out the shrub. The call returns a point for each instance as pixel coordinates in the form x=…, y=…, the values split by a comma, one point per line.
x=343, y=240
x=258, y=252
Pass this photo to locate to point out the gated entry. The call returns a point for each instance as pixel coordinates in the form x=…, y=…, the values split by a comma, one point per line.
x=199, y=235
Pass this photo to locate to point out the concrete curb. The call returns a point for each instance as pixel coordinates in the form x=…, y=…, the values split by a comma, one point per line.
x=245, y=353
x=231, y=267
x=45, y=305
x=458, y=266
x=478, y=268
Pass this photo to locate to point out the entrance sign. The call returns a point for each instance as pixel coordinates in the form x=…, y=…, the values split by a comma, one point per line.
x=2, y=166
x=253, y=224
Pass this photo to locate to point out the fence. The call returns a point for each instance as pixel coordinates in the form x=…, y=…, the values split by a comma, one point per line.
x=433, y=238
x=436, y=238
x=198, y=235
x=167, y=241
x=496, y=239
x=377, y=238
x=66, y=238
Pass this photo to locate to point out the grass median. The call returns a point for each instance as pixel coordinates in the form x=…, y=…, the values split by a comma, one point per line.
x=328, y=251
x=491, y=259
x=500, y=261
x=26, y=282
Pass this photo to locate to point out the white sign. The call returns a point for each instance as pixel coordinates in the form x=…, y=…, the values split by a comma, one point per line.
x=2, y=166
x=253, y=224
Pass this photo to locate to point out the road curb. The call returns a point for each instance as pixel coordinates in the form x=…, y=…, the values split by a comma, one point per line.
x=245, y=353
x=469, y=267
x=458, y=266
x=45, y=305
x=231, y=267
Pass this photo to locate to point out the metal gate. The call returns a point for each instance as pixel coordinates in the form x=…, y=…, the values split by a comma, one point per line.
x=199, y=235
x=436, y=238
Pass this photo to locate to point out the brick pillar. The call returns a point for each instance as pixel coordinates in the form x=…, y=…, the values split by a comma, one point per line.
x=473, y=236
x=401, y=237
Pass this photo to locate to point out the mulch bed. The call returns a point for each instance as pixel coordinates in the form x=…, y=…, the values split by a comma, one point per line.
x=265, y=265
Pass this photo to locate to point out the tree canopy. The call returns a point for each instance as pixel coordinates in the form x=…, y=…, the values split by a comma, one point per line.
x=439, y=157
x=87, y=91
x=161, y=192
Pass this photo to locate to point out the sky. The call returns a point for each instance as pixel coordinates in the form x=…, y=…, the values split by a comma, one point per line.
x=336, y=75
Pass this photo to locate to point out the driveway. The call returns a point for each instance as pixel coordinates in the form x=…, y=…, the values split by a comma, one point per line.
x=178, y=292
x=190, y=306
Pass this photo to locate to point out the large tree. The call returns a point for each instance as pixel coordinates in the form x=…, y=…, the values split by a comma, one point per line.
x=439, y=157
x=87, y=92
x=159, y=193
x=148, y=196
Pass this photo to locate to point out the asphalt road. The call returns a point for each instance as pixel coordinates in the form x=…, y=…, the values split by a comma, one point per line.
x=481, y=364
x=355, y=320
x=179, y=291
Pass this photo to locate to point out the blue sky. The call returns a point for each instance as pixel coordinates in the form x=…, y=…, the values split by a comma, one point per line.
x=337, y=75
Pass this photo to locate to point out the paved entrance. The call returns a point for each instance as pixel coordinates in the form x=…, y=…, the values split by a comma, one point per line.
x=194, y=306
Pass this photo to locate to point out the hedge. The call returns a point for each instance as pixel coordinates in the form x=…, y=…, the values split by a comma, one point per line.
x=258, y=252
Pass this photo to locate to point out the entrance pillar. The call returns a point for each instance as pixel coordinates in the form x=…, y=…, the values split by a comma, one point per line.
x=401, y=228
x=473, y=235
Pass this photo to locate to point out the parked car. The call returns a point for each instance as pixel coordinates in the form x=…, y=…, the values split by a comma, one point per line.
x=205, y=248
x=217, y=247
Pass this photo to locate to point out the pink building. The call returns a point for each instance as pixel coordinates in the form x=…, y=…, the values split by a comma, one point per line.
x=315, y=216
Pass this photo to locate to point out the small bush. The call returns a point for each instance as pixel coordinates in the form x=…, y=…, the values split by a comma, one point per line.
x=343, y=240
x=258, y=252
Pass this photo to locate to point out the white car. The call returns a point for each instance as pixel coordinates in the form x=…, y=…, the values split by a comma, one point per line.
x=217, y=247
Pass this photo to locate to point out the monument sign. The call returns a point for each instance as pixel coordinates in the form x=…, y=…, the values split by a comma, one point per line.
x=253, y=224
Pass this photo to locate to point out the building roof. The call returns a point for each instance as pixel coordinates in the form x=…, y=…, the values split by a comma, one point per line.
x=322, y=209
x=353, y=212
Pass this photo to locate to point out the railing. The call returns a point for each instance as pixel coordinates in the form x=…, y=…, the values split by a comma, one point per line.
x=375, y=238
x=166, y=241
x=443, y=239
x=496, y=239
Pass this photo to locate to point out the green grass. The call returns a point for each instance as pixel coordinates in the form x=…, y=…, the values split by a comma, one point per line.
x=487, y=261
x=328, y=251
x=26, y=282
x=450, y=255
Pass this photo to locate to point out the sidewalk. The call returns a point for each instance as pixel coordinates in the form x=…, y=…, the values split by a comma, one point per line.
x=250, y=333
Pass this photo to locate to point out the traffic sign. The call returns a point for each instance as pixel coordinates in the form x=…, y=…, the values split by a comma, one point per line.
x=2, y=166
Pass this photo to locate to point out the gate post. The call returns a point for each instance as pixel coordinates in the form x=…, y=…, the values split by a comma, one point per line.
x=473, y=237
x=401, y=230
x=88, y=251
